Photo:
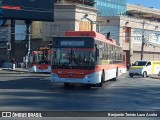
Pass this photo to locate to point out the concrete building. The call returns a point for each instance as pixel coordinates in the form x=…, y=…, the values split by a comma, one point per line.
x=68, y=16
x=105, y=7
x=110, y=7
x=19, y=43
x=141, y=24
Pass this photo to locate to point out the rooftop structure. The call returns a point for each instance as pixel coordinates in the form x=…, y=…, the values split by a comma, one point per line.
x=105, y=7
x=139, y=11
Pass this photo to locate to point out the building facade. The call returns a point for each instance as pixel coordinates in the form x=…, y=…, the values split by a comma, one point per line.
x=105, y=7
x=140, y=25
x=110, y=7
x=82, y=2
x=68, y=17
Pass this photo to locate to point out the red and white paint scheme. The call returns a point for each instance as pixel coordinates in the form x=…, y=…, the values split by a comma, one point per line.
x=86, y=57
x=39, y=61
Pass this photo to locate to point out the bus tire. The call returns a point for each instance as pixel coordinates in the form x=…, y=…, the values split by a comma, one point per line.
x=102, y=80
x=115, y=79
x=144, y=74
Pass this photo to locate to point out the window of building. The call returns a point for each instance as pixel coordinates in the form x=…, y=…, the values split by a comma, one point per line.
x=111, y=7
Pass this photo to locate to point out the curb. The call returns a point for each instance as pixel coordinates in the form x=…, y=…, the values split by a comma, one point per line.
x=155, y=77
x=15, y=70
x=21, y=71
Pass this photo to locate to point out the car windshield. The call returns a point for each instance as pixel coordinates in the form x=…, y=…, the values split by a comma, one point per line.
x=73, y=58
x=140, y=63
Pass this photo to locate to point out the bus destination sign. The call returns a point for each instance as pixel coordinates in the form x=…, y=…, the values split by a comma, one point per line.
x=72, y=43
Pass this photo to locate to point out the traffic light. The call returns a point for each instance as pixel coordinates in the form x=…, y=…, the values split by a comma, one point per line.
x=8, y=46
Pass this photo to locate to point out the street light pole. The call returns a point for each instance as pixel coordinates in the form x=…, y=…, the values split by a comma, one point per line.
x=12, y=51
x=143, y=40
x=8, y=53
x=28, y=41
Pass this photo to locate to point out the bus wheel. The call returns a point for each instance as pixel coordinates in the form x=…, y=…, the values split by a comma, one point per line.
x=144, y=74
x=102, y=80
x=114, y=79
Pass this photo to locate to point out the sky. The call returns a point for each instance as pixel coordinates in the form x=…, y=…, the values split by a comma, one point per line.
x=146, y=3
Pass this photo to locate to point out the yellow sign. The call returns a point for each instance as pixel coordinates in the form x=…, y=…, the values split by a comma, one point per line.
x=84, y=26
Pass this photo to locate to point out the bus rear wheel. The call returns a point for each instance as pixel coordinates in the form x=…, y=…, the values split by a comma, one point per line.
x=114, y=79
x=102, y=80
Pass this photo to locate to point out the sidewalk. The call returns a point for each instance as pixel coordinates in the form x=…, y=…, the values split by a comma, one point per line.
x=16, y=69
x=155, y=76
x=20, y=70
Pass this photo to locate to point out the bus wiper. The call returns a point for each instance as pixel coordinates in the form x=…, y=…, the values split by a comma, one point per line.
x=88, y=67
x=65, y=65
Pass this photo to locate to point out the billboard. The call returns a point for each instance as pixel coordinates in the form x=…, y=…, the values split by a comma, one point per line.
x=34, y=10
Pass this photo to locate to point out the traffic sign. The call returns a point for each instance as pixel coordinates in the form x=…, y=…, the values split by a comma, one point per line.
x=8, y=46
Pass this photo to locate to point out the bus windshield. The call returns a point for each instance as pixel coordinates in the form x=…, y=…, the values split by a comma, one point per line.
x=73, y=58
x=38, y=57
x=35, y=57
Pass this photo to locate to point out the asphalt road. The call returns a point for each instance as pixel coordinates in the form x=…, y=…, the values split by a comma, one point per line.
x=35, y=92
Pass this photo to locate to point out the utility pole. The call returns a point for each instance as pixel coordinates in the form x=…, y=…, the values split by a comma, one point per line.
x=8, y=52
x=143, y=40
x=27, y=41
x=12, y=53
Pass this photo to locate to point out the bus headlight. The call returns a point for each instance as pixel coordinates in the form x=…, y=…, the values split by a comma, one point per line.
x=49, y=67
x=88, y=76
x=54, y=75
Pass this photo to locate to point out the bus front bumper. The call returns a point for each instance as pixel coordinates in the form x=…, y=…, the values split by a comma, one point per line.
x=88, y=79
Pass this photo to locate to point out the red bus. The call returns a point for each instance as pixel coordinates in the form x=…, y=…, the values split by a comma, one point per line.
x=40, y=61
x=86, y=57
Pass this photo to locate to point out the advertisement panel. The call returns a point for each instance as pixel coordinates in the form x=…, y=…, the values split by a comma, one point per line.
x=149, y=36
x=35, y=10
